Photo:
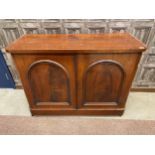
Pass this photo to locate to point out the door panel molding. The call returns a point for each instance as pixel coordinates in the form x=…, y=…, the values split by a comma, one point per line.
x=100, y=84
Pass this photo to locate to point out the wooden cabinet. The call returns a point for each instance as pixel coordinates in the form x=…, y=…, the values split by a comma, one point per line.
x=77, y=74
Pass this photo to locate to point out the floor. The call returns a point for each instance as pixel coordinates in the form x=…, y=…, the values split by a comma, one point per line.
x=11, y=125
x=140, y=105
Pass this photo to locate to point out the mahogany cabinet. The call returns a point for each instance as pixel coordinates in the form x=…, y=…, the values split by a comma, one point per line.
x=77, y=74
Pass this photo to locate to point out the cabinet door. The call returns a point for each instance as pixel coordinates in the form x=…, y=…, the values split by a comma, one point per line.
x=48, y=80
x=100, y=81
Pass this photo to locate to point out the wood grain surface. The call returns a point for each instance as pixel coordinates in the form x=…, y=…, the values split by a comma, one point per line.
x=87, y=43
x=77, y=74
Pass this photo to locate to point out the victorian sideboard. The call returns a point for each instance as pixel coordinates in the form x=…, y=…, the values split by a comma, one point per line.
x=77, y=74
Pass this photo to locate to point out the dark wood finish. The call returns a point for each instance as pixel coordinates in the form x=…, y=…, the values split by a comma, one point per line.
x=77, y=74
x=132, y=89
x=49, y=80
x=108, y=86
x=76, y=43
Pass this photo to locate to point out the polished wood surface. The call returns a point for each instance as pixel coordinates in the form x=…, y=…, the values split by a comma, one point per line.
x=77, y=74
x=49, y=79
x=108, y=83
x=75, y=43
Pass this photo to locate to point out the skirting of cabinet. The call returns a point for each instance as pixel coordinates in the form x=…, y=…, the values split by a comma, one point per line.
x=89, y=112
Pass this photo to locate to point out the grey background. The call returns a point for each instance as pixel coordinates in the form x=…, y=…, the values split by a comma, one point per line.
x=11, y=29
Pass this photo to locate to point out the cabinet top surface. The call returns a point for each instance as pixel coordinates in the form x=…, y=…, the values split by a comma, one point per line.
x=75, y=43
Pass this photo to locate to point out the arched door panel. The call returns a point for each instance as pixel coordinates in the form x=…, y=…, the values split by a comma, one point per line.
x=49, y=82
x=102, y=83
